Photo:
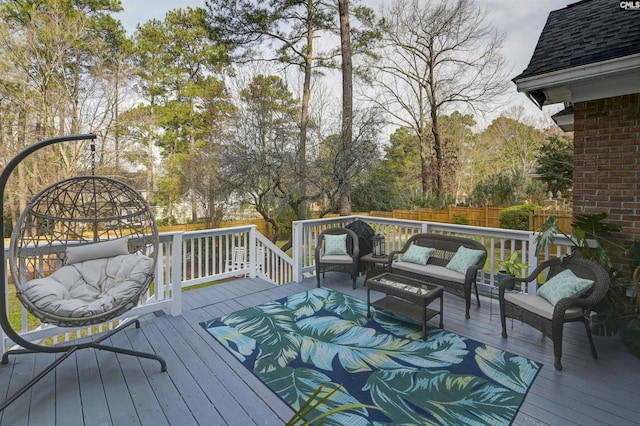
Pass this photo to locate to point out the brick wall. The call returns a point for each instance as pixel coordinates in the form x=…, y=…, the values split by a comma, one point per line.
x=606, y=174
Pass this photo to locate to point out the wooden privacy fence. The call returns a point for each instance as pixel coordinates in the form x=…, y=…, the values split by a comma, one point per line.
x=537, y=218
x=260, y=226
x=488, y=217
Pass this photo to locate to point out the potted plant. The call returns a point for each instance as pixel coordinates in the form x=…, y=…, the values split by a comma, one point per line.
x=632, y=333
x=511, y=267
x=316, y=400
x=621, y=306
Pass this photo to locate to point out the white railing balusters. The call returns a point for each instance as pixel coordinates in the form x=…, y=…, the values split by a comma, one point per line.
x=186, y=259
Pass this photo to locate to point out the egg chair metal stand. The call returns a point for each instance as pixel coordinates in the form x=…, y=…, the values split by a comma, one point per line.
x=95, y=229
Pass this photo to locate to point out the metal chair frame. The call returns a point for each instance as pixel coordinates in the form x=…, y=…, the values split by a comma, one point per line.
x=46, y=227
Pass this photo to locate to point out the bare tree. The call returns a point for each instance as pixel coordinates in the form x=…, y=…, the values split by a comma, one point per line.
x=259, y=157
x=435, y=57
x=514, y=136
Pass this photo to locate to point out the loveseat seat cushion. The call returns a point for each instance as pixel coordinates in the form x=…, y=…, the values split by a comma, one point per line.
x=435, y=271
x=90, y=287
x=539, y=305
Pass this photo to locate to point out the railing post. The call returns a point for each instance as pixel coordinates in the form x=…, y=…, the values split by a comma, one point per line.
x=252, y=251
x=5, y=283
x=176, y=274
x=532, y=287
x=297, y=250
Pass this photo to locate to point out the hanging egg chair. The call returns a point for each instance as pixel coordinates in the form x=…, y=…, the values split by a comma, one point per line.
x=83, y=252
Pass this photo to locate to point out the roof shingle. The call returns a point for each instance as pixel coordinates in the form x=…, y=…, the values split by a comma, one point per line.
x=583, y=33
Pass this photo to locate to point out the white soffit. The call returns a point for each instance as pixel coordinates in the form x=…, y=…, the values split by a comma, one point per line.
x=605, y=79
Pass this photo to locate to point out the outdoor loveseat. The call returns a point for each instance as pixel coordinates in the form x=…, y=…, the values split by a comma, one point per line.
x=449, y=261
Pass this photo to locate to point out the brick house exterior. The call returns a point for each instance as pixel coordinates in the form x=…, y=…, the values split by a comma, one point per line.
x=606, y=171
x=588, y=57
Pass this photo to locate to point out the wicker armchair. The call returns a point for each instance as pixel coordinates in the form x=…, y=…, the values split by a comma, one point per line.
x=537, y=312
x=348, y=260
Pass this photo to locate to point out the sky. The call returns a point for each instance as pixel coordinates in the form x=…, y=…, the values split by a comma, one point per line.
x=521, y=20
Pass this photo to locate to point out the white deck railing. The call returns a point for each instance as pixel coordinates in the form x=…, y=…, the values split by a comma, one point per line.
x=500, y=242
x=192, y=258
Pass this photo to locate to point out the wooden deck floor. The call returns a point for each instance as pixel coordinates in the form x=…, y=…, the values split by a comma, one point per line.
x=205, y=385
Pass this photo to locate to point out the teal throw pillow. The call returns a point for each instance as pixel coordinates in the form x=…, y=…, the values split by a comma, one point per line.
x=335, y=244
x=418, y=254
x=463, y=259
x=564, y=284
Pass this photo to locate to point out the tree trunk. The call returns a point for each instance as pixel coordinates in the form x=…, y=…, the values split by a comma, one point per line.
x=149, y=180
x=346, y=134
x=301, y=207
x=192, y=166
x=437, y=147
x=116, y=136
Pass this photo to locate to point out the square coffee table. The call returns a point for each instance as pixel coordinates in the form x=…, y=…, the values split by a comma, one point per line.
x=406, y=297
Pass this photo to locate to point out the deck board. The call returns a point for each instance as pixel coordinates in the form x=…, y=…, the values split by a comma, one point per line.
x=68, y=398
x=206, y=385
x=122, y=409
x=90, y=387
x=206, y=376
x=41, y=395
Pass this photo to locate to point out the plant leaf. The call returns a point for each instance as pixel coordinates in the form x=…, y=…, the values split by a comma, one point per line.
x=632, y=336
x=273, y=325
x=606, y=322
x=512, y=371
x=357, y=348
x=447, y=398
x=298, y=385
x=546, y=234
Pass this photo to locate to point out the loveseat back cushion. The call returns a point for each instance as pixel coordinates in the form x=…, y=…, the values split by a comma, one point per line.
x=418, y=254
x=464, y=259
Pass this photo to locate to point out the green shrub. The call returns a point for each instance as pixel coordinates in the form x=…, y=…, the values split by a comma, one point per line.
x=517, y=217
x=500, y=189
x=460, y=219
x=166, y=221
x=8, y=226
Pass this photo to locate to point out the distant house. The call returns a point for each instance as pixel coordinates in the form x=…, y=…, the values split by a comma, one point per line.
x=588, y=57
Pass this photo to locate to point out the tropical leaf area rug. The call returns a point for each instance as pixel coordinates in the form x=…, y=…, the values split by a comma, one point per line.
x=323, y=338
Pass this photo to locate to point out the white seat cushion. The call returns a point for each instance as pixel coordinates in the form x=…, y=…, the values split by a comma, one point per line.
x=90, y=287
x=430, y=270
x=337, y=259
x=539, y=305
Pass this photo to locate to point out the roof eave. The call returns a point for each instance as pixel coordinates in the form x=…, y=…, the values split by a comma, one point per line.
x=557, y=86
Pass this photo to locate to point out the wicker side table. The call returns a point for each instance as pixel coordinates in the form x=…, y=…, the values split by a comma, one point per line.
x=407, y=297
x=374, y=265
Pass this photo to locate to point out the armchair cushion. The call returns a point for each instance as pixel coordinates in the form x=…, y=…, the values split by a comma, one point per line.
x=564, y=284
x=463, y=259
x=540, y=306
x=335, y=244
x=337, y=259
x=418, y=254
